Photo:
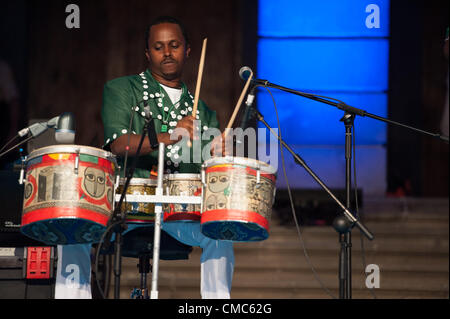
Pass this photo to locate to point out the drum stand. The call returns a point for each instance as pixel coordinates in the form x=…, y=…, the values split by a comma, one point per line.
x=158, y=199
x=118, y=218
x=144, y=269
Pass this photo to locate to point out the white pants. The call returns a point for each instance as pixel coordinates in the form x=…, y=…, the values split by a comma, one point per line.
x=73, y=272
x=216, y=271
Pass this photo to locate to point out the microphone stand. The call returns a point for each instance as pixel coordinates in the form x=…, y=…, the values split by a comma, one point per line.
x=347, y=108
x=35, y=130
x=343, y=223
x=345, y=235
x=119, y=217
x=350, y=219
x=158, y=220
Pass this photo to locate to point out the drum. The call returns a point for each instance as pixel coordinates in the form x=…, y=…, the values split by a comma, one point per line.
x=140, y=213
x=68, y=194
x=182, y=185
x=238, y=194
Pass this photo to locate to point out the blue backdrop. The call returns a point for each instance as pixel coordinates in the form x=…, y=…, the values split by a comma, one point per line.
x=333, y=48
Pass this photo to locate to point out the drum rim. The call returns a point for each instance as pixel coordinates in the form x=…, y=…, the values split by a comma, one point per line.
x=71, y=149
x=139, y=181
x=182, y=176
x=251, y=162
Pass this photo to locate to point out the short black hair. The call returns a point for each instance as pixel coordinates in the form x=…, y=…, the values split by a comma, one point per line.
x=166, y=19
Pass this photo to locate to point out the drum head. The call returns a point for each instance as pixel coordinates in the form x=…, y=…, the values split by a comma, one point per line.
x=240, y=161
x=81, y=149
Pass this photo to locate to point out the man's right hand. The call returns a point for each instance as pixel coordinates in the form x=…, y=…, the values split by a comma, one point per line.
x=120, y=145
x=131, y=143
x=187, y=126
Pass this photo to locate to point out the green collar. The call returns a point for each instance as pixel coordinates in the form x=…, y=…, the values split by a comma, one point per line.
x=169, y=114
x=153, y=85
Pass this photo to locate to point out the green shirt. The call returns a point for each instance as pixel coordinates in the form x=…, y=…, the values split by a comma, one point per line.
x=125, y=98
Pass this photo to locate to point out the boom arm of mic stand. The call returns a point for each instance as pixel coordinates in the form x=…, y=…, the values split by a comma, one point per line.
x=347, y=213
x=351, y=109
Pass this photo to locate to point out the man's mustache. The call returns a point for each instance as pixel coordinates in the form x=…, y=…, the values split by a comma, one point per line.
x=168, y=60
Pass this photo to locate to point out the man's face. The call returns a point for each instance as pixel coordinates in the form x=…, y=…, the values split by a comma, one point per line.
x=167, y=51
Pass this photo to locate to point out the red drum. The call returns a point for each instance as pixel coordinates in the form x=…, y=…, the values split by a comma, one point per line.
x=139, y=213
x=68, y=194
x=182, y=185
x=237, y=200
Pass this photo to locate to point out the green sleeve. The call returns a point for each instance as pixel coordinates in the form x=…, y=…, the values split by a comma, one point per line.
x=116, y=109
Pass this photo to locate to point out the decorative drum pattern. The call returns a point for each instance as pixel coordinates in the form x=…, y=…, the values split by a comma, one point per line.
x=68, y=194
x=238, y=195
x=182, y=185
x=139, y=212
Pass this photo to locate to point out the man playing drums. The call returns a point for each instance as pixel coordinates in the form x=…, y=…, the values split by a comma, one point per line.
x=157, y=91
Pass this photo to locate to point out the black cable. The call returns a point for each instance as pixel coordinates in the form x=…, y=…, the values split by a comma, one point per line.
x=127, y=150
x=293, y=206
x=358, y=216
x=26, y=289
x=108, y=274
x=18, y=144
x=108, y=229
x=128, y=142
x=97, y=254
x=9, y=142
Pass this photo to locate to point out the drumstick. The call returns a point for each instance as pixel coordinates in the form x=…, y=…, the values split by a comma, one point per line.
x=199, y=77
x=199, y=81
x=236, y=109
x=238, y=104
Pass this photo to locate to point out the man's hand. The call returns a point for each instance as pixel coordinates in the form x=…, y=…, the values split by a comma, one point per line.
x=218, y=146
x=130, y=143
x=187, y=126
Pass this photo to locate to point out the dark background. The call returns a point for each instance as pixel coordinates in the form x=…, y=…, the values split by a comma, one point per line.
x=59, y=69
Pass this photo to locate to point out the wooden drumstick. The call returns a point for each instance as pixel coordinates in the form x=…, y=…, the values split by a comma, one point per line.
x=199, y=82
x=238, y=105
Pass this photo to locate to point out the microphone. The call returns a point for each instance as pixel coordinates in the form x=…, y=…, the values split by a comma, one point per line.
x=245, y=72
x=64, y=125
x=65, y=129
x=248, y=105
x=151, y=131
x=148, y=114
x=37, y=129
